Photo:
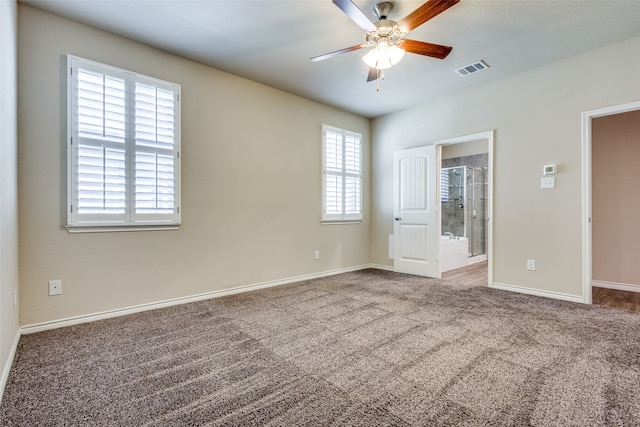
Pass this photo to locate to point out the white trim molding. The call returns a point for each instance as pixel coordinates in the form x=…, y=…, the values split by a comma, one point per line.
x=617, y=286
x=76, y=320
x=537, y=292
x=381, y=267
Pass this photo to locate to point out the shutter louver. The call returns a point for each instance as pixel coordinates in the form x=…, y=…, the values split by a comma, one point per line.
x=154, y=165
x=352, y=172
x=154, y=183
x=352, y=195
x=333, y=194
x=101, y=180
x=333, y=151
x=100, y=173
x=352, y=155
x=101, y=106
x=154, y=117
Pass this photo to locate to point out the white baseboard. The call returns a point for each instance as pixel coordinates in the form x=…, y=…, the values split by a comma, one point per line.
x=44, y=326
x=538, y=292
x=618, y=286
x=7, y=366
x=476, y=259
x=381, y=267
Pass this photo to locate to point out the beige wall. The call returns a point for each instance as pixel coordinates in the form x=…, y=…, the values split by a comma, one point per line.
x=466, y=149
x=251, y=184
x=8, y=182
x=616, y=197
x=537, y=120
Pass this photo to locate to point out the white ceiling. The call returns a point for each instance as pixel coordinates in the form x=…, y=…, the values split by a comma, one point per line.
x=271, y=41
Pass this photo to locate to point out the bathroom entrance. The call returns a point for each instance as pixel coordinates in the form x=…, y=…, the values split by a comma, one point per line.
x=465, y=201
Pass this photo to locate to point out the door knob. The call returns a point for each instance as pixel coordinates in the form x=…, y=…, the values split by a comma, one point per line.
x=398, y=218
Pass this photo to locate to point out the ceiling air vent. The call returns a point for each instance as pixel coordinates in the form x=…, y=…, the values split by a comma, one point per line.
x=472, y=68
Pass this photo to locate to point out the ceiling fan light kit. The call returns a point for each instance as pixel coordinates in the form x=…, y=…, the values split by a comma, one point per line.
x=385, y=37
x=383, y=55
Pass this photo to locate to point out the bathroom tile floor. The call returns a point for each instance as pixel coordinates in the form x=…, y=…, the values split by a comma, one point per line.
x=477, y=275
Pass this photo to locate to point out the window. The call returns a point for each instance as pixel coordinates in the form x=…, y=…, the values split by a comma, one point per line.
x=123, y=148
x=342, y=175
x=444, y=185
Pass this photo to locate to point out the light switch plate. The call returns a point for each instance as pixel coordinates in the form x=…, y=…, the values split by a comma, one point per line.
x=549, y=182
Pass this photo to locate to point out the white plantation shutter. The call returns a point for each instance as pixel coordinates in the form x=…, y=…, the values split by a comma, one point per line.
x=155, y=142
x=123, y=147
x=352, y=191
x=342, y=175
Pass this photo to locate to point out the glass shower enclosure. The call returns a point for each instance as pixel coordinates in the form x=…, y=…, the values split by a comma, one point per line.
x=463, y=191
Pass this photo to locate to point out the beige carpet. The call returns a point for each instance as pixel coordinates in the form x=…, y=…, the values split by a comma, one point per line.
x=365, y=348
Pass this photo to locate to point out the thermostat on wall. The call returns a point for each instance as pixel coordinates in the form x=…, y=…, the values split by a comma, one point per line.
x=550, y=169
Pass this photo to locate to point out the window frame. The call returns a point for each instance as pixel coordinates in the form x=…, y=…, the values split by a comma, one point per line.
x=130, y=220
x=343, y=216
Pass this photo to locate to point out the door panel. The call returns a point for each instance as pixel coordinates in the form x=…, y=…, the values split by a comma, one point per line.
x=415, y=242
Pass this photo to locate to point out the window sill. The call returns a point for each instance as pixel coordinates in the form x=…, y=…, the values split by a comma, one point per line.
x=119, y=228
x=341, y=222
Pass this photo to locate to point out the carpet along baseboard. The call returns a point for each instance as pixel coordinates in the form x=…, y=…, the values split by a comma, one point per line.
x=44, y=326
x=617, y=286
x=7, y=366
x=538, y=292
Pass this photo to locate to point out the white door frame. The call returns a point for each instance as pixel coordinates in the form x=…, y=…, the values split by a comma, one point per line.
x=587, y=195
x=488, y=135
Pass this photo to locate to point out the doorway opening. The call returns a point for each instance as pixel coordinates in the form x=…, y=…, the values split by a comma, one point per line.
x=466, y=170
x=606, y=263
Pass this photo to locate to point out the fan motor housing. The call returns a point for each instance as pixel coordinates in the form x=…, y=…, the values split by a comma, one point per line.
x=382, y=10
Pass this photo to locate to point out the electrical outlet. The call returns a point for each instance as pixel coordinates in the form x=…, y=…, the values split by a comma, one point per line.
x=531, y=264
x=316, y=255
x=15, y=299
x=55, y=287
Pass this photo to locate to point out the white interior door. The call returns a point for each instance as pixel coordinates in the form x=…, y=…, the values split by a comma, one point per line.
x=415, y=211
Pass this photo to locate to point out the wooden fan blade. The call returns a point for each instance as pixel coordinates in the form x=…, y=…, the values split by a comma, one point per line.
x=356, y=15
x=423, y=48
x=373, y=75
x=336, y=53
x=424, y=13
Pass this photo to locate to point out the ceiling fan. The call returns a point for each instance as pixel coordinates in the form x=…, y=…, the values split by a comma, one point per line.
x=386, y=37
